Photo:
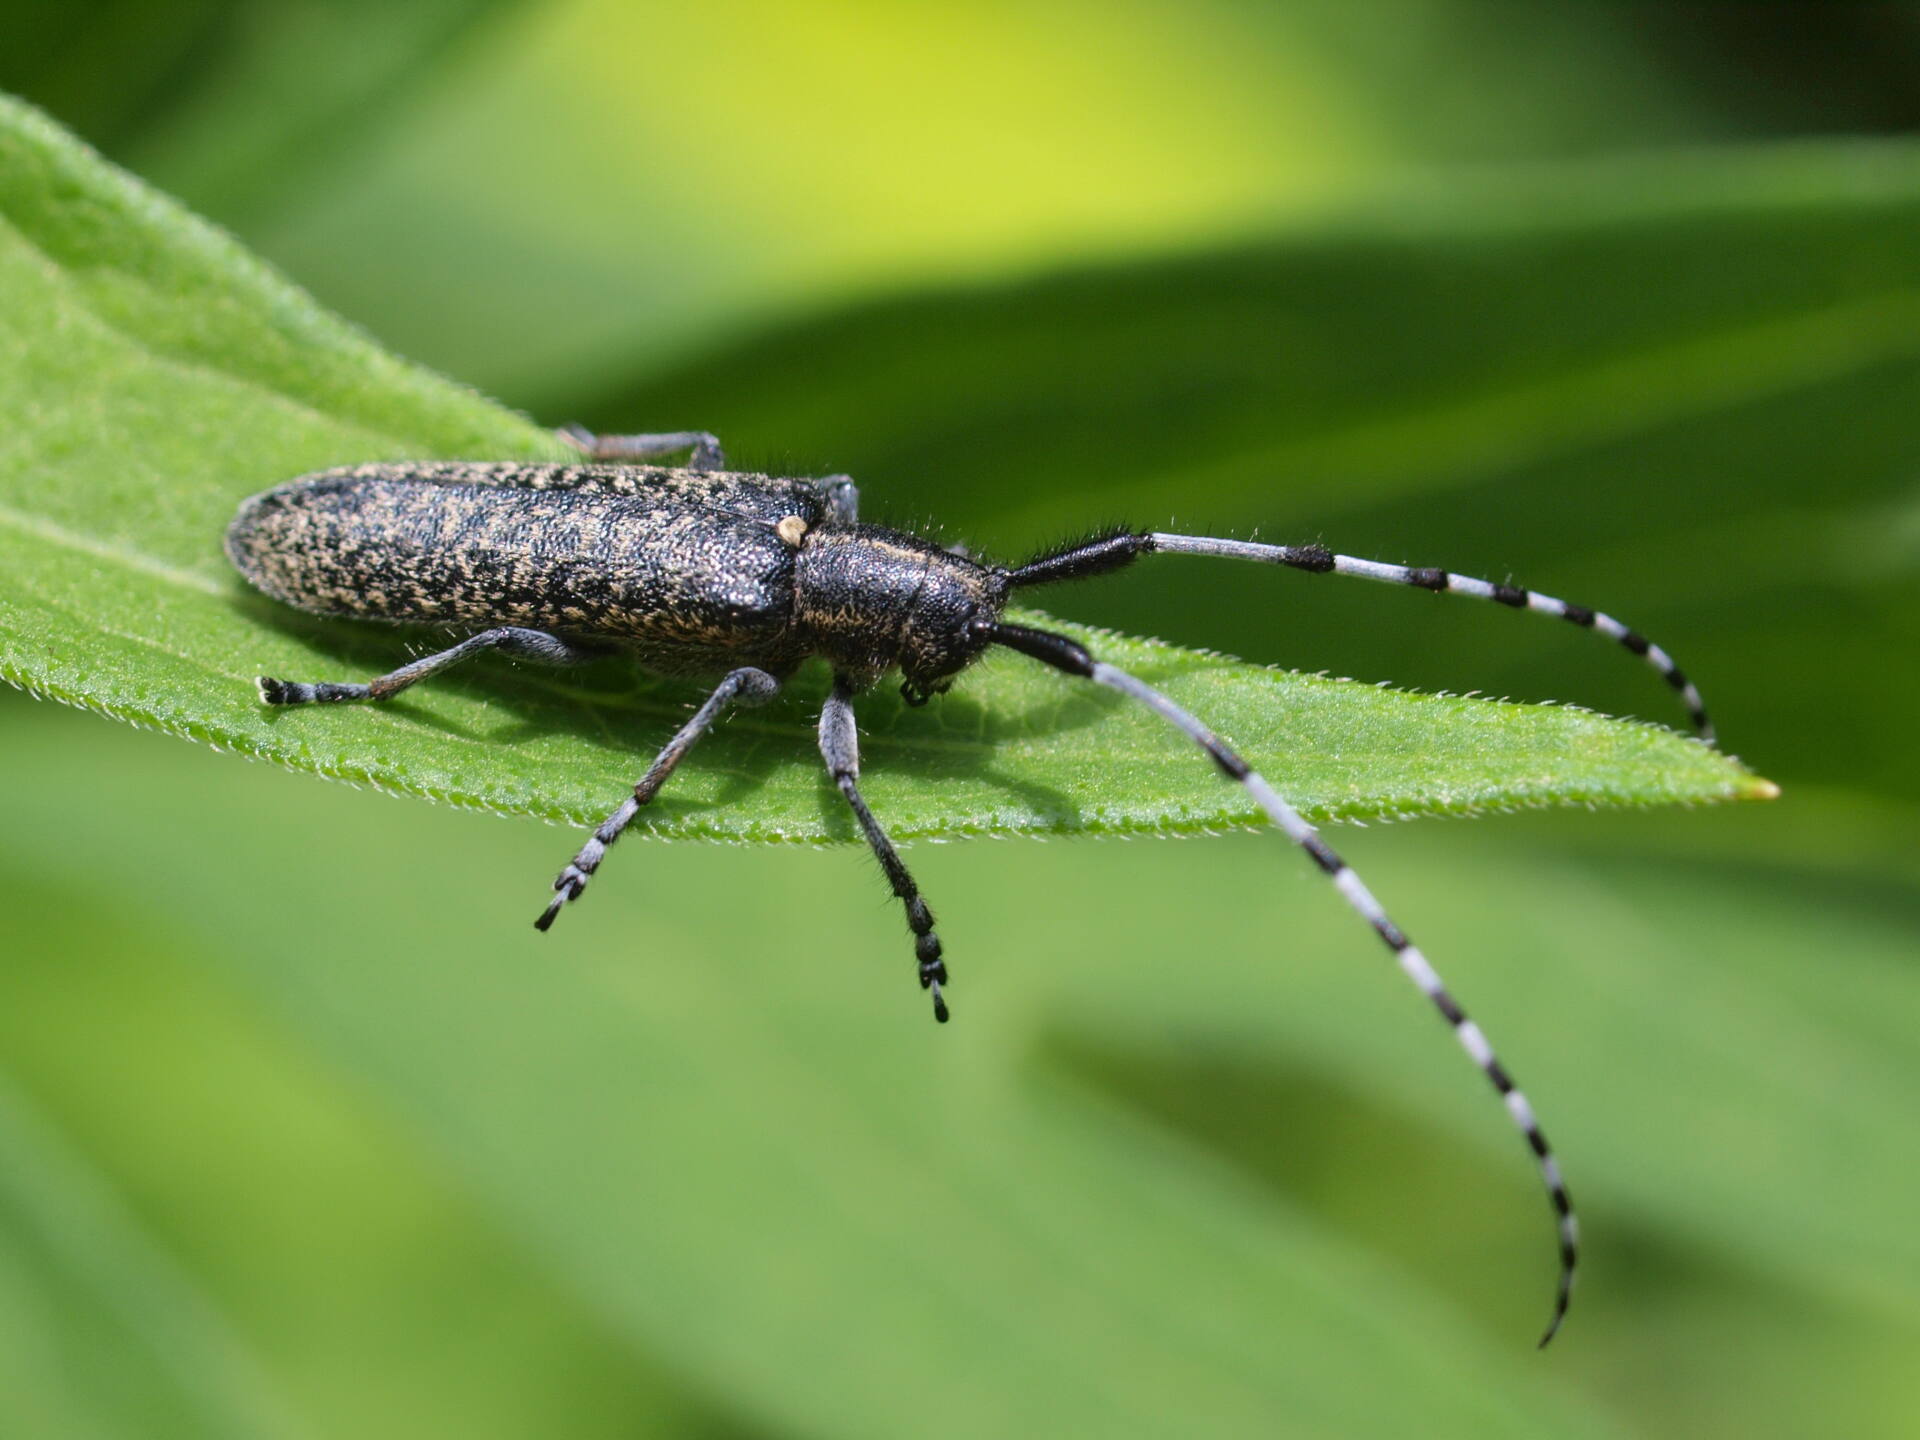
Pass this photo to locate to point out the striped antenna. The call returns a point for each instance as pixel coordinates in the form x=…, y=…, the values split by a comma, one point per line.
x=1073, y=658
x=1317, y=559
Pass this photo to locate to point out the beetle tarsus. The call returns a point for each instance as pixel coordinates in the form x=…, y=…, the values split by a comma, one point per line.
x=296, y=692
x=567, y=887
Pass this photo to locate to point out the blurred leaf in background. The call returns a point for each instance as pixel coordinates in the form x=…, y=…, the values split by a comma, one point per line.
x=621, y=181
x=1407, y=278
x=237, y=104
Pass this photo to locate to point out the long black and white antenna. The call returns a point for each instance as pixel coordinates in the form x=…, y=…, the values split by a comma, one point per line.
x=1073, y=658
x=1112, y=551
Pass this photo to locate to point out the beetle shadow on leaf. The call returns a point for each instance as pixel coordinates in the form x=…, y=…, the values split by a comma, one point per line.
x=920, y=738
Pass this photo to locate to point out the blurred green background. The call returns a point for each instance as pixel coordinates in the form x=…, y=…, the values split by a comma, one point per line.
x=302, y=1134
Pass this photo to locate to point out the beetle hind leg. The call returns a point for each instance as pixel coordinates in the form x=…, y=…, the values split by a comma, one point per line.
x=535, y=645
x=295, y=692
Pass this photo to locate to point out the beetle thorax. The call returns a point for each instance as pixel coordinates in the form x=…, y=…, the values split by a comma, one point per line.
x=871, y=599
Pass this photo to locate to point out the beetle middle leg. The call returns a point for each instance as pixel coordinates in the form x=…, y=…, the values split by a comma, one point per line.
x=522, y=644
x=705, y=446
x=840, y=748
x=745, y=686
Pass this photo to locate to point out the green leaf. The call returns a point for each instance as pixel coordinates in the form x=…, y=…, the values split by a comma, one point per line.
x=1193, y=1159
x=719, y=1118
x=232, y=105
x=155, y=376
x=106, y=1335
x=237, y=1244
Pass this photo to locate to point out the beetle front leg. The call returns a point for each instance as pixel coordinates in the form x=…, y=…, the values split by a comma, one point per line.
x=705, y=446
x=522, y=644
x=840, y=748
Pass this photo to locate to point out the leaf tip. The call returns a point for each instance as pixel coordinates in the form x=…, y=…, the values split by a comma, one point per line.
x=1760, y=789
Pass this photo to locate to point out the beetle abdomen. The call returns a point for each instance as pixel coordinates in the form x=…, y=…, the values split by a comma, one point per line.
x=677, y=582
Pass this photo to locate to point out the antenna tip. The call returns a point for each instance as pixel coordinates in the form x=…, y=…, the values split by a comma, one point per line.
x=1553, y=1325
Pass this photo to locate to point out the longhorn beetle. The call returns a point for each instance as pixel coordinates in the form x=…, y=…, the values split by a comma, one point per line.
x=712, y=574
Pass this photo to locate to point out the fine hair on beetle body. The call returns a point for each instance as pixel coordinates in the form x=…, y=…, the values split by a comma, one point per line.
x=734, y=580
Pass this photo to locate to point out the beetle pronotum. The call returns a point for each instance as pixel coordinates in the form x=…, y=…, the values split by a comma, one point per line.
x=736, y=579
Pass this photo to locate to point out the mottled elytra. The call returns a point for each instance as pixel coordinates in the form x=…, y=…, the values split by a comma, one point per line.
x=734, y=580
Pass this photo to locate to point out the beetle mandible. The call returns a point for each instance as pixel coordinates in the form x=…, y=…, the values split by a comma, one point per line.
x=736, y=579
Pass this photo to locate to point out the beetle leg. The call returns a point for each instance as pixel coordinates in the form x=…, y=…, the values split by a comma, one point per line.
x=707, y=454
x=745, y=686
x=840, y=748
x=843, y=499
x=522, y=644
